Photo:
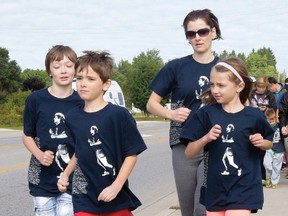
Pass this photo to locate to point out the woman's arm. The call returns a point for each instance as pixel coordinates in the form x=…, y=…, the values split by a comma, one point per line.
x=154, y=107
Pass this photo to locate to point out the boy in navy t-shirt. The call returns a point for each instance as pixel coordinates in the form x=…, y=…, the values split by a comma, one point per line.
x=107, y=143
x=274, y=157
x=46, y=135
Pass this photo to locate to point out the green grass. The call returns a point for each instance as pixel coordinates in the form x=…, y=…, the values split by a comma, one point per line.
x=175, y=207
x=12, y=127
x=138, y=117
x=142, y=117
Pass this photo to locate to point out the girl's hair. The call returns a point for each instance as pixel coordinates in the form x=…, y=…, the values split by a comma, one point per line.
x=205, y=15
x=57, y=53
x=262, y=81
x=242, y=70
x=100, y=61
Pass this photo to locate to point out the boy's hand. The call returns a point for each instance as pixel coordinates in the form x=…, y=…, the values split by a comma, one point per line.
x=63, y=183
x=109, y=193
x=46, y=159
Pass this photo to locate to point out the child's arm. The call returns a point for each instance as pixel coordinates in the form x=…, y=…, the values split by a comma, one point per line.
x=258, y=141
x=63, y=182
x=193, y=148
x=45, y=158
x=110, y=192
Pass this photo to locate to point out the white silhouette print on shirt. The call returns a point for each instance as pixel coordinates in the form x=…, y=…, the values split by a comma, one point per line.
x=62, y=157
x=100, y=155
x=229, y=128
x=59, y=119
x=203, y=80
x=228, y=157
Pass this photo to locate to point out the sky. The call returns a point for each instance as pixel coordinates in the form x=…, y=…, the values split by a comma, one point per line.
x=125, y=28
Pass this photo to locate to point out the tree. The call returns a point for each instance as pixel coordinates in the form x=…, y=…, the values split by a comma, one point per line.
x=40, y=74
x=271, y=60
x=121, y=75
x=11, y=111
x=9, y=73
x=32, y=84
x=144, y=68
x=257, y=64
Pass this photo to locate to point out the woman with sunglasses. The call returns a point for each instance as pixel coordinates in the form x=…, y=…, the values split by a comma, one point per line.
x=186, y=79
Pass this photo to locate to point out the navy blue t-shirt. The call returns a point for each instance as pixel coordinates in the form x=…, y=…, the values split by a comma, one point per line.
x=232, y=163
x=103, y=140
x=278, y=140
x=44, y=120
x=185, y=79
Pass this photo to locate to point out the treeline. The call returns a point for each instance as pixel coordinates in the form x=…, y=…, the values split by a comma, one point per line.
x=133, y=77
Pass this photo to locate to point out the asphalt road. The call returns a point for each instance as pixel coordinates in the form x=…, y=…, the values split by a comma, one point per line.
x=151, y=180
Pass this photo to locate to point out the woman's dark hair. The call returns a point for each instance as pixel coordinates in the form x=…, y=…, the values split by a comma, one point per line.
x=205, y=15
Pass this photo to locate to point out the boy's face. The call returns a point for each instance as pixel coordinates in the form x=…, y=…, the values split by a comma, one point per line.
x=62, y=72
x=89, y=85
x=272, y=120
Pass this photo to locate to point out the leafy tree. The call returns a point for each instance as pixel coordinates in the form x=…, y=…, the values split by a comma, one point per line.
x=223, y=55
x=271, y=60
x=40, y=74
x=121, y=75
x=242, y=56
x=9, y=73
x=258, y=65
x=33, y=83
x=12, y=110
x=144, y=68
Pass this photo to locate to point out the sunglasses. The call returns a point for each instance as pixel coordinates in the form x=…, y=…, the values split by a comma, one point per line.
x=201, y=32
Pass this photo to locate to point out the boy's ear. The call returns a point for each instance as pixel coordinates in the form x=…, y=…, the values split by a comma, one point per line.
x=107, y=85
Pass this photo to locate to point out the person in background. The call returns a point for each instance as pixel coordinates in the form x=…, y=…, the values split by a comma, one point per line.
x=282, y=102
x=186, y=79
x=263, y=99
x=107, y=143
x=283, y=124
x=286, y=84
x=274, y=156
x=278, y=89
x=231, y=135
x=275, y=87
x=261, y=96
x=43, y=136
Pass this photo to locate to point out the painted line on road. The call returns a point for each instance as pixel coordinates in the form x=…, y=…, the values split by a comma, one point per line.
x=10, y=145
x=2, y=170
x=161, y=139
x=146, y=135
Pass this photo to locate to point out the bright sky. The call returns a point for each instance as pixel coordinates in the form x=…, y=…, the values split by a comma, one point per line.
x=28, y=28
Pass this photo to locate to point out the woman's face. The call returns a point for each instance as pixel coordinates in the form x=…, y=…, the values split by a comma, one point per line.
x=202, y=41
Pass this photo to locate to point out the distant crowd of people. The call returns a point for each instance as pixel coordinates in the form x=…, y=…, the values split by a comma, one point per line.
x=271, y=97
